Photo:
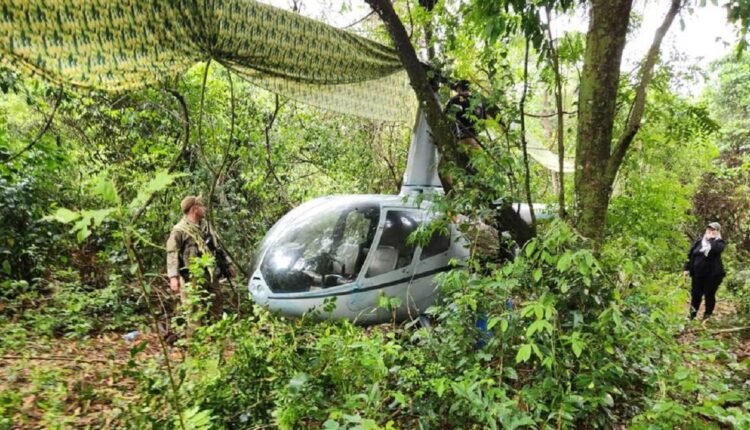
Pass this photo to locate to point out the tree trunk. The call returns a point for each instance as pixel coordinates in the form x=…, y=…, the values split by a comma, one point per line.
x=597, y=163
x=605, y=40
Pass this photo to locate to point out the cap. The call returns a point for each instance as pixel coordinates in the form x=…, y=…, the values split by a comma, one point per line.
x=190, y=201
x=714, y=225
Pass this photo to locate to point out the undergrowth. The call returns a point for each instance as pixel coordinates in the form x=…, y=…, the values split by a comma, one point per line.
x=557, y=338
x=570, y=342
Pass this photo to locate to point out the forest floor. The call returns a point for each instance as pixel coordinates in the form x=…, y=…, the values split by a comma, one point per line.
x=724, y=325
x=88, y=383
x=73, y=383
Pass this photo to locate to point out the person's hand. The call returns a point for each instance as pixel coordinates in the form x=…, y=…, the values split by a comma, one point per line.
x=686, y=273
x=174, y=284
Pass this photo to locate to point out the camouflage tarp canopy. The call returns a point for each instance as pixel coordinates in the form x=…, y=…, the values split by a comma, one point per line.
x=118, y=45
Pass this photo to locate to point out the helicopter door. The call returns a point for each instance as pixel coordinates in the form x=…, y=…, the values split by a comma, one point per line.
x=390, y=260
x=435, y=255
x=393, y=252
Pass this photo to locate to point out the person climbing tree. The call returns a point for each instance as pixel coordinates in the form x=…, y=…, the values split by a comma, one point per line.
x=465, y=111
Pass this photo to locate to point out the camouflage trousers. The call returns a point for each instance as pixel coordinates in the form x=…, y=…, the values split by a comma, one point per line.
x=200, y=303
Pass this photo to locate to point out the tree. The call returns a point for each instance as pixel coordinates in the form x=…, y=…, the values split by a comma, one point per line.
x=428, y=102
x=597, y=162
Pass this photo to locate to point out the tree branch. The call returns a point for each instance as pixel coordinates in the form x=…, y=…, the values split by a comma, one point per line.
x=550, y=115
x=428, y=101
x=359, y=20
x=200, y=118
x=560, y=117
x=521, y=108
x=43, y=130
x=639, y=103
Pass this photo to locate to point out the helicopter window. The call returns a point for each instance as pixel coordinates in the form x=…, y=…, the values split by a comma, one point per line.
x=353, y=246
x=439, y=243
x=393, y=251
x=320, y=248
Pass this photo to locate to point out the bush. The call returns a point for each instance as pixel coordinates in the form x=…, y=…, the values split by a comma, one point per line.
x=738, y=284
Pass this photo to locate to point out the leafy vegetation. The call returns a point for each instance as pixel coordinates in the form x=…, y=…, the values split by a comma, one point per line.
x=568, y=334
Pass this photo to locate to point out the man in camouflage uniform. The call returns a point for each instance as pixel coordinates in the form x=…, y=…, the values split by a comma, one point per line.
x=189, y=239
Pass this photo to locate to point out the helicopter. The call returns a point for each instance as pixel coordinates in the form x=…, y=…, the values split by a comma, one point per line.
x=337, y=257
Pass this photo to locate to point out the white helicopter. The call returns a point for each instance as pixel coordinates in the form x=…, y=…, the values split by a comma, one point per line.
x=337, y=256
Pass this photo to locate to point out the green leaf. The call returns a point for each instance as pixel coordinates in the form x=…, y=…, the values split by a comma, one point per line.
x=159, y=182
x=537, y=275
x=564, y=286
x=563, y=263
x=492, y=322
x=105, y=188
x=577, y=348
x=331, y=425
x=524, y=353
x=98, y=216
x=533, y=328
x=530, y=247
x=63, y=215
x=440, y=385
x=82, y=229
x=538, y=326
x=520, y=422
x=138, y=348
x=195, y=419
x=539, y=310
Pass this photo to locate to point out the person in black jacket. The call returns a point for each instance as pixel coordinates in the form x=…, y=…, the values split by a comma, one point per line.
x=706, y=269
x=465, y=113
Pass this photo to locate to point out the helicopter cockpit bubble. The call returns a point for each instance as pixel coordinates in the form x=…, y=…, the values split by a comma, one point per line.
x=319, y=245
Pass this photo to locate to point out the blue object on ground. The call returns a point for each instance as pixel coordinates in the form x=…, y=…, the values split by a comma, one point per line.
x=484, y=334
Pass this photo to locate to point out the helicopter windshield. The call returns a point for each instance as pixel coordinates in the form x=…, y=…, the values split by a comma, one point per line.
x=323, y=246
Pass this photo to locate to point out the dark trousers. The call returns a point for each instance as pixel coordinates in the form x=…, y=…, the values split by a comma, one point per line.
x=704, y=287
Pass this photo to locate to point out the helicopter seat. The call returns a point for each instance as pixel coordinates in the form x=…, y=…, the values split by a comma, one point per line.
x=384, y=261
x=347, y=255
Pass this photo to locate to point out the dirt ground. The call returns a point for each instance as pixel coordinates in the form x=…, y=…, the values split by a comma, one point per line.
x=67, y=383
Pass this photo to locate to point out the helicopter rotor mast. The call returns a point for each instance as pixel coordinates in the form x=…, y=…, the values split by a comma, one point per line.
x=421, y=175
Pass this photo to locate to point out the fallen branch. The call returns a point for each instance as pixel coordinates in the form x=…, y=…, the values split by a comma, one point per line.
x=729, y=330
x=719, y=331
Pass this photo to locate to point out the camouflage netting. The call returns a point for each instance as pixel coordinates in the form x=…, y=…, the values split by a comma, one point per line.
x=119, y=45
